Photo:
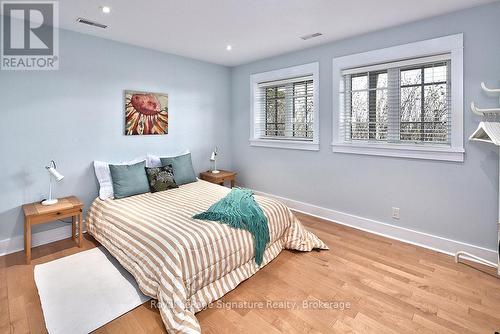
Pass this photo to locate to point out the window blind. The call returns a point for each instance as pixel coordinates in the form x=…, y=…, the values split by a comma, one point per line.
x=286, y=109
x=401, y=102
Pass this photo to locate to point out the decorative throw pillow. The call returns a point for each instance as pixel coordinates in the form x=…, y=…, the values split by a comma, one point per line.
x=183, y=168
x=161, y=178
x=103, y=175
x=129, y=180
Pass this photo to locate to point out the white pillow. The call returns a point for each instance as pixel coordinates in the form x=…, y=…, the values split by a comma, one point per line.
x=103, y=175
x=155, y=161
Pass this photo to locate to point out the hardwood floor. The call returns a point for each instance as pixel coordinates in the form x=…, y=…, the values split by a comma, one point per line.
x=389, y=286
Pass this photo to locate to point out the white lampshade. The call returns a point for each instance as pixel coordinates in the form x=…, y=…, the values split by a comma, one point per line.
x=51, y=168
x=57, y=176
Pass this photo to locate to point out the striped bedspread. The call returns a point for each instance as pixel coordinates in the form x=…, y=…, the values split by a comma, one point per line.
x=185, y=263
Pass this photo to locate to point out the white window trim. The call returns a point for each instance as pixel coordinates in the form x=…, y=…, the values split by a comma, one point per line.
x=452, y=45
x=289, y=72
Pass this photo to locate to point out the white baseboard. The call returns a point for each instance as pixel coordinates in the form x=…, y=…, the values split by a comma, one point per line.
x=440, y=244
x=16, y=243
x=436, y=243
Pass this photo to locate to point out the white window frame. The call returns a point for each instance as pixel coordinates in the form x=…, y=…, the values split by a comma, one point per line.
x=281, y=74
x=452, y=45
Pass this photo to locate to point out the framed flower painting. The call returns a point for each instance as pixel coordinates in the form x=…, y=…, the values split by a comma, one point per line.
x=146, y=113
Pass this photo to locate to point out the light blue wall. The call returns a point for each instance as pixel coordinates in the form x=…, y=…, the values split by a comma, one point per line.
x=452, y=200
x=75, y=115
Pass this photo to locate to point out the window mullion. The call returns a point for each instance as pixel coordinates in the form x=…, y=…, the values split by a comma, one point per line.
x=372, y=106
x=275, y=119
x=264, y=113
x=393, y=105
x=347, y=107
x=422, y=107
x=305, y=111
x=289, y=106
x=293, y=110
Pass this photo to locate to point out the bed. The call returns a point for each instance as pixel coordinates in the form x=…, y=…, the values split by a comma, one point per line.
x=185, y=263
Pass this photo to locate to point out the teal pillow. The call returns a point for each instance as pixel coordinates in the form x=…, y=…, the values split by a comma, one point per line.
x=183, y=168
x=129, y=180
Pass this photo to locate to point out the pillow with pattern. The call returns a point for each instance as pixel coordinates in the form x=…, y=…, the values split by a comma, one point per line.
x=161, y=178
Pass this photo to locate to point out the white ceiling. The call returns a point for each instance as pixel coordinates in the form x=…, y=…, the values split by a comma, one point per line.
x=256, y=29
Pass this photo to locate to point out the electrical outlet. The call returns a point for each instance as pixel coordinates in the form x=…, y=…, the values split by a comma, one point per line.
x=395, y=213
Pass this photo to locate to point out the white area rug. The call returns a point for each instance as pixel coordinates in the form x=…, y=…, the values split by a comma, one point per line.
x=82, y=292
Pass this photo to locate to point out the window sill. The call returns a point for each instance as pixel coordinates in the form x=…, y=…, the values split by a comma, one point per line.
x=287, y=144
x=401, y=151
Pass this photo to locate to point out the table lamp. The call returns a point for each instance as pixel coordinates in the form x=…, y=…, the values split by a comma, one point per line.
x=53, y=173
x=213, y=158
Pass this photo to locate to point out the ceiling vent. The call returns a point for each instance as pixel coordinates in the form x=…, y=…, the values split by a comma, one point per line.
x=306, y=37
x=91, y=23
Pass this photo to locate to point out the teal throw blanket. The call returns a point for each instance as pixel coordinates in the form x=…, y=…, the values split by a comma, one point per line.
x=240, y=210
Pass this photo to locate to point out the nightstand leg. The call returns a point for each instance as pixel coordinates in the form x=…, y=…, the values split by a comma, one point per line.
x=232, y=183
x=27, y=240
x=80, y=230
x=73, y=227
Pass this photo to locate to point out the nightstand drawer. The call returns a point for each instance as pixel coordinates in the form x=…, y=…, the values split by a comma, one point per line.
x=51, y=216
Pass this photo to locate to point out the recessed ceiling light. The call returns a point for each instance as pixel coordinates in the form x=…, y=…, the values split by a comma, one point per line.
x=229, y=47
x=106, y=9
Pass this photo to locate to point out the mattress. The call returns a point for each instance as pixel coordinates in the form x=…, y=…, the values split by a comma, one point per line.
x=185, y=263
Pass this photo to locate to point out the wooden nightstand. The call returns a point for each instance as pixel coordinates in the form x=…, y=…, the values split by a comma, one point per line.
x=36, y=213
x=219, y=178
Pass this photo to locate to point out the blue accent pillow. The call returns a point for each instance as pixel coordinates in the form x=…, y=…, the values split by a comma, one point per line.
x=129, y=180
x=183, y=168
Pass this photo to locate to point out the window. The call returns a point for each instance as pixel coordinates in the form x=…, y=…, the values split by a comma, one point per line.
x=408, y=107
x=367, y=105
x=425, y=103
x=289, y=110
x=284, y=109
x=422, y=114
